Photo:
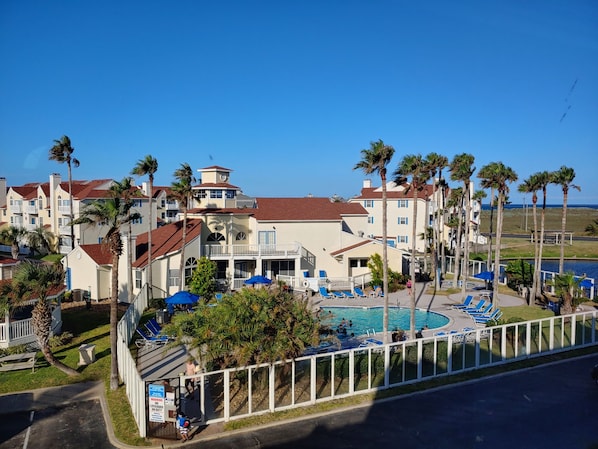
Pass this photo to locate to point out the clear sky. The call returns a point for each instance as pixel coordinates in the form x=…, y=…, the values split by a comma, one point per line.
x=287, y=93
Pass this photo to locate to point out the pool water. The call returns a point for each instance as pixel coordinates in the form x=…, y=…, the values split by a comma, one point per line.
x=370, y=319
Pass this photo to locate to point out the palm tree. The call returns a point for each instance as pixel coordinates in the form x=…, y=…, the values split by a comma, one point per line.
x=436, y=163
x=478, y=197
x=486, y=175
x=148, y=166
x=416, y=167
x=62, y=152
x=461, y=170
x=564, y=177
x=41, y=239
x=35, y=281
x=374, y=160
x=566, y=287
x=532, y=185
x=114, y=213
x=128, y=192
x=13, y=235
x=181, y=192
x=497, y=175
x=543, y=179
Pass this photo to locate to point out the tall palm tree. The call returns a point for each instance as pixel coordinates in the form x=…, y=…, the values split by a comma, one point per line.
x=478, y=196
x=114, y=213
x=128, y=194
x=35, y=281
x=182, y=189
x=13, y=235
x=148, y=166
x=461, y=170
x=374, y=160
x=62, y=152
x=532, y=185
x=486, y=175
x=436, y=163
x=543, y=179
x=416, y=167
x=564, y=177
x=497, y=175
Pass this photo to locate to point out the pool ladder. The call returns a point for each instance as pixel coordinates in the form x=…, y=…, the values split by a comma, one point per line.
x=370, y=332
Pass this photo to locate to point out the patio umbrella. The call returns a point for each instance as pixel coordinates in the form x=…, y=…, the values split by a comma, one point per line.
x=484, y=275
x=586, y=283
x=182, y=298
x=258, y=279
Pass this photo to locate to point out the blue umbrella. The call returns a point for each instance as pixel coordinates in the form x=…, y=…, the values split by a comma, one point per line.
x=258, y=279
x=484, y=275
x=586, y=283
x=182, y=298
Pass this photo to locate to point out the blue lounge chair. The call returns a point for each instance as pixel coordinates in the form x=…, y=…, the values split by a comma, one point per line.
x=325, y=294
x=148, y=340
x=465, y=304
x=484, y=312
x=492, y=317
x=359, y=292
x=347, y=294
x=337, y=294
x=153, y=327
x=477, y=307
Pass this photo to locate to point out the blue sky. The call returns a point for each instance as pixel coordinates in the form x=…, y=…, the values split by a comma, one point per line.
x=287, y=93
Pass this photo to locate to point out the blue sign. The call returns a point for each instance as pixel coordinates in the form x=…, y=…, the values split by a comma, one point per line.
x=157, y=391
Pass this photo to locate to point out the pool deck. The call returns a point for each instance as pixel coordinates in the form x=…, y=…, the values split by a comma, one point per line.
x=440, y=303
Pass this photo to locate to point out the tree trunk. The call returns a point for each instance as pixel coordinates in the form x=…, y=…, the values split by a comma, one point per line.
x=149, y=239
x=384, y=257
x=72, y=218
x=183, y=243
x=466, y=238
x=42, y=322
x=532, y=296
x=497, y=251
x=412, y=268
x=563, y=228
x=114, y=380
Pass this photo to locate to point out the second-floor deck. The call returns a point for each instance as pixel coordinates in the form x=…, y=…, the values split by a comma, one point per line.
x=285, y=250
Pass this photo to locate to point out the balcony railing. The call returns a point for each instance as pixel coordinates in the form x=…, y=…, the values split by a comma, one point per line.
x=16, y=208
x=31, y=209
x=64, y=210
x=231, y=251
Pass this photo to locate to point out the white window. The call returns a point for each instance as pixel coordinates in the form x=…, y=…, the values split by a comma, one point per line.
x=173, y=277
x=403, y=239
x=201, y=194
x=215, y=193
x=137, y=279
x=368, y=203
x=137, y=221
x=137, y=203
x=190, y=265
x=266, y=238
x=241, y=236
x=230, y=194
x=371, y=220
x=403, y=203
x=403, y=220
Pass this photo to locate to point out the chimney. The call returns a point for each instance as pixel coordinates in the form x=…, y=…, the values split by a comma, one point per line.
x=2, y=192
x=367, y=183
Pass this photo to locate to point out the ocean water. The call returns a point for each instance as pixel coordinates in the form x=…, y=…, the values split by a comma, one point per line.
x=588, y=268
x=549, y=206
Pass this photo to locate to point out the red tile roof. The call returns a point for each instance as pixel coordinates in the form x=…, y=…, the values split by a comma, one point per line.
x=304, y=209
x=8, y=261
x=348, y=248
x=99, y=253
x=165, y=240
x=215, y=167
x=376, y=192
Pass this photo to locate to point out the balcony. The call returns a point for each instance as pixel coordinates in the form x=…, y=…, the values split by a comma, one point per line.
x=64, y=210
x=16, y=208
x=31, y=209
x=286, y=250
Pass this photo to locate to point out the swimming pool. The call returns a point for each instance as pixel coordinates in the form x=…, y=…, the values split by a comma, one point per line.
x=367, y=319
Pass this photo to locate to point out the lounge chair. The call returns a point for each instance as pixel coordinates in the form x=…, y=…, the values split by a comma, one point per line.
x=484, y=312
x=153, y=327
x=359, y=292
x=465, y=304
x=347, y=294
x=477, y=308
x=148, y=340
x=325, y=294
x=218, y=296
x=492, y=317
x=337, y=294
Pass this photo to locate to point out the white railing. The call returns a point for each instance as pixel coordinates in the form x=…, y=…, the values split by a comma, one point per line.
x=64, y=210
x=309, y=380
x=127, y=367
x=229, y=251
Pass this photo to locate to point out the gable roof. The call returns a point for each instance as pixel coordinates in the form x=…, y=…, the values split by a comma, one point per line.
x=99, y=253
x=304, y=209
x=165, y=240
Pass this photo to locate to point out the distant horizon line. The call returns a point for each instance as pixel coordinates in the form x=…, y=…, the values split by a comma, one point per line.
x=539, y=206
